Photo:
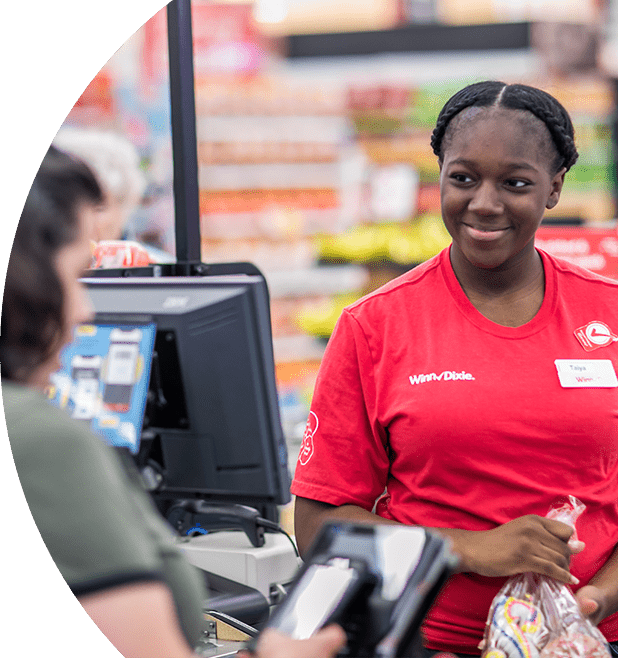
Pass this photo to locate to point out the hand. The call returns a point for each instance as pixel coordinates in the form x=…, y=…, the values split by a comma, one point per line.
x=592, y=603
x=326, y=643
x=528, y=543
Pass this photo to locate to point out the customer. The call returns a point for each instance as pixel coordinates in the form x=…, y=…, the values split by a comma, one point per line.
x=116, y=165
x=109, y=543
x=438, y=402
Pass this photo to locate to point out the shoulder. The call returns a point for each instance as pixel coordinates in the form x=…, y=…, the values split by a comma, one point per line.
x=579, y=276
x=57, y=457
x=411, y=285
x=40, y=430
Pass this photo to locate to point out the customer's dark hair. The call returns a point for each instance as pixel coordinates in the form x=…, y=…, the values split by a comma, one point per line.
x=514, y=97
x=32, y=309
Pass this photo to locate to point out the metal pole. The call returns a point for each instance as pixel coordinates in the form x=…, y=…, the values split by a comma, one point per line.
x=184, y=138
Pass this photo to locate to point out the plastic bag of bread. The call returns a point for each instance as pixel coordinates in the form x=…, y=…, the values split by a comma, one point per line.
x=534, y=616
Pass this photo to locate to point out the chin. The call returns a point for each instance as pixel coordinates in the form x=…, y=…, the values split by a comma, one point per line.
x=487, y=261
x=498, y=258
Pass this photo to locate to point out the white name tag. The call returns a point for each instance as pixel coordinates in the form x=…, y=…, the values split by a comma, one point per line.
x=586, y=373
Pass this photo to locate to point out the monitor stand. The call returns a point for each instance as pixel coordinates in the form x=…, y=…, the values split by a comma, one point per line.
x=268, y=568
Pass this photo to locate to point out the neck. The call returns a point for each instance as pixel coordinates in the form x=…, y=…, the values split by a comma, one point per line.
x=521, y=271
x=510, y=295
x=39, y=379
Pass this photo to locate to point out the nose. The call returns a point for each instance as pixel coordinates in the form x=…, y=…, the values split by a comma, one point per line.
x=486, y=200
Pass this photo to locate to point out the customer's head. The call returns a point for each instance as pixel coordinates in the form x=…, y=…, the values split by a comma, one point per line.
x=116, y=164
x=43, y=299
x=539, y=106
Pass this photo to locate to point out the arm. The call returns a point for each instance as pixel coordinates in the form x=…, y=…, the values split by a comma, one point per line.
x=529, y=543
x=139, y=620
x=310, y=515
x=599, y=598
x=324, y=644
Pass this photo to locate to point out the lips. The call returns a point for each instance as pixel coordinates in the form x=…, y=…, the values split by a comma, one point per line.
x=485, y=234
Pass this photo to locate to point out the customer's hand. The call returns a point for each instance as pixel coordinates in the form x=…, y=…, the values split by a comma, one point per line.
x=528, y=543
x=326, y=643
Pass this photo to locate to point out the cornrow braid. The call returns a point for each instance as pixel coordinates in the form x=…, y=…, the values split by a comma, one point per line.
x=479, y=94
x=514, y=97
x=546, y=108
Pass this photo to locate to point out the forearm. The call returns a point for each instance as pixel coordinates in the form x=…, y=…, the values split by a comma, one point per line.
x=462, y=546
x=310, y=516
x=139, y=619
x=528, y=543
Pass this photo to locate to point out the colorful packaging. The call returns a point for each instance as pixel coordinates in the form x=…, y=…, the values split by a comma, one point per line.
x=534, y=616
x=119, y=253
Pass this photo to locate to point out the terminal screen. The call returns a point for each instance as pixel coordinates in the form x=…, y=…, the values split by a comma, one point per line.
x=104, y=380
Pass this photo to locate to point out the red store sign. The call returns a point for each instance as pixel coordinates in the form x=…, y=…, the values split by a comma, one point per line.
x=596, y=249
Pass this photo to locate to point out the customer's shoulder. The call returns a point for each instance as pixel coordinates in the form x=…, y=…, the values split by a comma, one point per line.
x=33, y=423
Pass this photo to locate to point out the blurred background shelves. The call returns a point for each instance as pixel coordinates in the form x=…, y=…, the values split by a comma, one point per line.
x=313, y=124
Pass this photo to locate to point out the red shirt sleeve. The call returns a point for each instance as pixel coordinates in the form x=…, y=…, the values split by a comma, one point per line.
x=343, y=458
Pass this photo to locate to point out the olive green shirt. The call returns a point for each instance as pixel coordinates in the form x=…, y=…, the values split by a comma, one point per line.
x=99, y=525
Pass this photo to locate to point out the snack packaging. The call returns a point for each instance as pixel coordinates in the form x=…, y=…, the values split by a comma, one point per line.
x=534, y=616
x=119, y=253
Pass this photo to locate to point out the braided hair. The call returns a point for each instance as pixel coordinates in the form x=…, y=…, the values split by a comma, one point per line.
x=514, y=97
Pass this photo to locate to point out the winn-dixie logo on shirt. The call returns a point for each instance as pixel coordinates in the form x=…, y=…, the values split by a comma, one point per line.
x=446, y=375
x=306, y=448
x=595, y=334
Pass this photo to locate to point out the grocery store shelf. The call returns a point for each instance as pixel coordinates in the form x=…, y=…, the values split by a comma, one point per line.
x=270, y=223
x=297, y=348
x=275, y=176
x=412, y=38
x=323, y=280
x=277, y=128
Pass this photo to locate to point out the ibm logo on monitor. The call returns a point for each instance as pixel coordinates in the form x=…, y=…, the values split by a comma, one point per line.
x=175, y=302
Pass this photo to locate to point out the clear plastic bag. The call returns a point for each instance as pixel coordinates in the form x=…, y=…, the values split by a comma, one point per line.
x=534, y=616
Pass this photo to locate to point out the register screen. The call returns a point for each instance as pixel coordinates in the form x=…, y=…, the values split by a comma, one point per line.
x=104, y=380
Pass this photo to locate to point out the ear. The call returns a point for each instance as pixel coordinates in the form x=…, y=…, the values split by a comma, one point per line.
x=556, y=188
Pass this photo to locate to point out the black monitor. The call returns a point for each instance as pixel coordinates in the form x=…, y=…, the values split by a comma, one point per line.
x=211, y=427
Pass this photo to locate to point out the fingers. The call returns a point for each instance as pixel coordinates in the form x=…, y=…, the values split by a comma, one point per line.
x=560, y=538
x=560, y=530
x=326, y=643
x=563, y=532
x=534, y=543
x=551, y=557
x=576, y=546
x=588, y=606
x=551, y=569
x=528, y=543
x=591, y=600
x=332, y=638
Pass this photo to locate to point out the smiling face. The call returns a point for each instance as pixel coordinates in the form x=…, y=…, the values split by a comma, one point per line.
x=497, y=178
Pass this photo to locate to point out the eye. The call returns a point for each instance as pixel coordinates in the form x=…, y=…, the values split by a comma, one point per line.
x=516, y=183
x=460, y=178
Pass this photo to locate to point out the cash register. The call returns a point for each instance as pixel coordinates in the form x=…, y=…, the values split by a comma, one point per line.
x=179, y=372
